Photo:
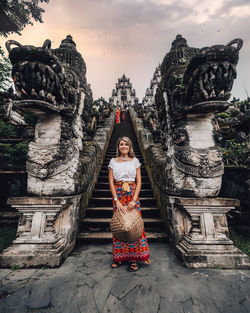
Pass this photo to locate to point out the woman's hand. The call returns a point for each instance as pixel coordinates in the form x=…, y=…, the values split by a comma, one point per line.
x=131, y=205
x=120, y=207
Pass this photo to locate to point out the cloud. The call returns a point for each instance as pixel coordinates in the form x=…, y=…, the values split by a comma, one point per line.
x=133, y=36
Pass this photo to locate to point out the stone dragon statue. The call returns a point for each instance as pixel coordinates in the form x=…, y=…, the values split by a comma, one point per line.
x=51, y=85
x=196, y=84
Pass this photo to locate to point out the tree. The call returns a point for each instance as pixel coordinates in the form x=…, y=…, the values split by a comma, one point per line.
x=5, y=72
x=22, y=12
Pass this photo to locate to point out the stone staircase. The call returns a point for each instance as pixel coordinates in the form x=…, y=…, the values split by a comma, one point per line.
x=95, y=225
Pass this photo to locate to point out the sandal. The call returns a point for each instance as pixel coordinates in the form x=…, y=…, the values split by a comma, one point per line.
x=133, y=266
x=116, y=264
x=147, y=262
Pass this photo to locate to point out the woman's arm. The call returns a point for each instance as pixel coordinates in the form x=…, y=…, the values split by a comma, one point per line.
x=113, y=191
x=132, y=203
x=111, y=183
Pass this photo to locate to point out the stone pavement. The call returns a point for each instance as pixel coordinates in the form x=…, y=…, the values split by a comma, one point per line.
x=85, y=283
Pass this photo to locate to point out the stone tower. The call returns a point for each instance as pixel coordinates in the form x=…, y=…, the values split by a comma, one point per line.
x=123, y=95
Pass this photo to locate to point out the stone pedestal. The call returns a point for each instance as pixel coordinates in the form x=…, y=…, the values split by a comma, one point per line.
x=46, y=231
x=199, y=232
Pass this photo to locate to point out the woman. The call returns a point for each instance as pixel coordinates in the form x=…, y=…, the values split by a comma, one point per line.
x=123, y=170
x=117, y=116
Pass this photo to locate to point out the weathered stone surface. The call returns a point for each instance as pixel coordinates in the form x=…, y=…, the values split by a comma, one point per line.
x=190, y=92
x=200, y=218
x=164, y=286
x=64, y=158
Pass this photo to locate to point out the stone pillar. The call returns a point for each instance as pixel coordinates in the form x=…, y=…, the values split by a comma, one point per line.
x=46, y=231
x=199, y=232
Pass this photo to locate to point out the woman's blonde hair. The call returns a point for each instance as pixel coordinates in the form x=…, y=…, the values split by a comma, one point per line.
x=131, y=153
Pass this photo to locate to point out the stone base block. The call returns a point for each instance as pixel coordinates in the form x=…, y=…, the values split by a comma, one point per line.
x=199, y=233
x=46, y=231
x=30, y=256
x=212, y=256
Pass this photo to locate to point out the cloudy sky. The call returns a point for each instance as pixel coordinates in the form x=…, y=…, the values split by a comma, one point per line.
x=133, y=36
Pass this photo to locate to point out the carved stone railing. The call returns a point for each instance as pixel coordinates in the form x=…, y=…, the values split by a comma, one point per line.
x=186, y=166
x=63, y=161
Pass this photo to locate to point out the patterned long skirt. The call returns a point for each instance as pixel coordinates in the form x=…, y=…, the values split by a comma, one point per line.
x=117, y=117
x=133, y=250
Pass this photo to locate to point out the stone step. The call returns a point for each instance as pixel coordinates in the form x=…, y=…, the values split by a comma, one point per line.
x=95, y=226
x=107, y=193
x=150, y=212
x=105, y=185
x=8, y=217
x=106, y=161
x=103, y=222
x=105, y=172
x=107, y=201
x=105, y=178
x=109, y=156
x=105, y=237
x=113, y=149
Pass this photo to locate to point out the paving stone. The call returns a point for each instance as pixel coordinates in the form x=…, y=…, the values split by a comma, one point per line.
x=39, y=295
x=114, y=305
x=167, y=306
x=87, y=284
x=85, y=299
x=101, y=292
x=100, y=274
x=245, y=302
x=146, y=301
x=4, y=273
x=17, y=301
x=129, y=299
x=20, y=275
x=63, y=299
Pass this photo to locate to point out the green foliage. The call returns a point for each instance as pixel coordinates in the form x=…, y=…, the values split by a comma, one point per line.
x=30, y=119
x=13, y=153
x=179, y=81
x=240, y=241
x=7, y=235
x=22, y=12
x=235, y=153
x=5, y=72
x=7, y=130
x=15, y=267
x=223, y=115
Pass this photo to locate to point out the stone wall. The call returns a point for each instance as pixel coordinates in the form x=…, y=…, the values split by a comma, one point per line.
x=92, y=159
x=156, y=163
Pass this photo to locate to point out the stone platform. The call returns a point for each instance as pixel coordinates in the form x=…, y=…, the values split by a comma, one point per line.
x=85, y=283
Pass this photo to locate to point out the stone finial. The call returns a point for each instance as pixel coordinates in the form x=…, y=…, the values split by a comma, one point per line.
x=179, y=42
x=68, y=42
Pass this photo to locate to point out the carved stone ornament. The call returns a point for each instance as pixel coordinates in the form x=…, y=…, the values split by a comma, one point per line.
x=45, y=161
x=199, y=162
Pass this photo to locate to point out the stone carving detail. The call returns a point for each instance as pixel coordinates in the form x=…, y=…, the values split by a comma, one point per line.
x=65, y=156
x=51, y=159
x=51, y=84
x=147, y=111
x=210, y=74
x=102, y=109
x=196, y=83
x=199, y=162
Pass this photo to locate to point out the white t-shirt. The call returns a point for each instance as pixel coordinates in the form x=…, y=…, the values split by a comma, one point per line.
x=124, y=171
